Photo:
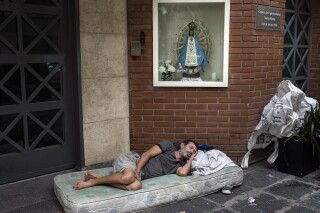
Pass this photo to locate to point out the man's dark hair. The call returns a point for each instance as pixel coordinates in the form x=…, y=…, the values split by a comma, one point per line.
x=187, y=141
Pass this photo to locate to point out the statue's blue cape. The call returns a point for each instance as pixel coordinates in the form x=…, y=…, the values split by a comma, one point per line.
x=202, y=61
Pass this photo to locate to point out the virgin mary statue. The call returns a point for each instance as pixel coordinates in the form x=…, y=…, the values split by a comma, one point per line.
x=192, y=55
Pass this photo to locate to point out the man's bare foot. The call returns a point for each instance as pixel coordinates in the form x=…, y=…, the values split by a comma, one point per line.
x=90, y=175
x=82, y=184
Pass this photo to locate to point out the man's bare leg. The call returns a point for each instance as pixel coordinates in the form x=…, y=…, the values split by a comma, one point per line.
x=90, y=175
x=125, y=177
x=136, y=185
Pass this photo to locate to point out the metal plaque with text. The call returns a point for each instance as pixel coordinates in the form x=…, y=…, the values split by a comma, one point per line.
x=268, y=18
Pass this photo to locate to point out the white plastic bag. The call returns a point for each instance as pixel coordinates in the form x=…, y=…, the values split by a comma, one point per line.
x=281, y=117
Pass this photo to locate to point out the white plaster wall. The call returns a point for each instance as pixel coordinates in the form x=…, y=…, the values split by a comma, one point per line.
x=104, y=78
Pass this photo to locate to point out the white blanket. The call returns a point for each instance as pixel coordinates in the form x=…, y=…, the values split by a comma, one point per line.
x=209, y=162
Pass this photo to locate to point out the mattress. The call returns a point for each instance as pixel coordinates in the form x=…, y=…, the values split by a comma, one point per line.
x=155, y=191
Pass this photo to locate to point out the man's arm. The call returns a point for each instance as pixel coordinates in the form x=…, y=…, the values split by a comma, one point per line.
x=153, y=151
x=184, y=170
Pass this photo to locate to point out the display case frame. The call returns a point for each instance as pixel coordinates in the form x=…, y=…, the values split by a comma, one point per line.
x=171, y=35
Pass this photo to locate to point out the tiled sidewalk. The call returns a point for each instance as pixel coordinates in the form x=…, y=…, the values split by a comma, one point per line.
x=273, y=192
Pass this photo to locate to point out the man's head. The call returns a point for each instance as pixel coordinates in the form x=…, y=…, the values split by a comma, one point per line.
x=187, y=148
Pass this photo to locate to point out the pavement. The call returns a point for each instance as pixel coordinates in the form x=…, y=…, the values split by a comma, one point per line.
x=266, y=188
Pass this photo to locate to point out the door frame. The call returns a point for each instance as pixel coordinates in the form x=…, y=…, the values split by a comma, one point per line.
x=74, y=29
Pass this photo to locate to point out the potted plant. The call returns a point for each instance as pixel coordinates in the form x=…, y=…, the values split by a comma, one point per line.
x=299, y=154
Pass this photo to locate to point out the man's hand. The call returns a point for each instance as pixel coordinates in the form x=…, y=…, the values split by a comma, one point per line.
x=153, y=151
x=184, y=170
x=193, y=155
x=137, y=175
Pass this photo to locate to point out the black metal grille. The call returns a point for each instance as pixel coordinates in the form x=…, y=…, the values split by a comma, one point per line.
x=33, y=90
x=26, y=31
x=297, y=42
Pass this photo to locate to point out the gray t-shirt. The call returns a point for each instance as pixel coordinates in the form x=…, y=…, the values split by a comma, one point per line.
x=162, y=164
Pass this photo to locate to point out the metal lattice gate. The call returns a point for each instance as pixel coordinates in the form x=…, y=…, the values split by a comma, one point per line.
x=297, y=41
x=35, y=118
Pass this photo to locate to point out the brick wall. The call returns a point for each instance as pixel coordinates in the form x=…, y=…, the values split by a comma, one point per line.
x=223, y=117
x=314, y=87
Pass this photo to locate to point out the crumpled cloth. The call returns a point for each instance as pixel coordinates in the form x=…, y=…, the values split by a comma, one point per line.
x=205, y=163
x=281, y=117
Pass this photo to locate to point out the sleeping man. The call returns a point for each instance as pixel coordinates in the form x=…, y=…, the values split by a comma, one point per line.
x=129, y=168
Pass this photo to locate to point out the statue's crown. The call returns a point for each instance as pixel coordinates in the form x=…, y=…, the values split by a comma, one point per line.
x=191, y=25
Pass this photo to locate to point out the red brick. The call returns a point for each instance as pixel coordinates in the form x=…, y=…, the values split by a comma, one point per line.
x=153, y=118
x=196, y=130
x=175, y=94
x=249, y=38
x=175, y=130
x=196, y=106
x=163, y=124
x=236, y=13
x=207, y=112
x=196, y=119
x=217, y=118
x=186, y=136
x=163, y=100
x=241, y=7
x=143, y=124
x=185, y=124
x=144, y=135
x=136, y=118
x=175, y=106
x=142, y=112
x=185, y=100
x=241, y=32
x=153, y=106
x=218, y=106
x=236, y=1
x=186, y=112
x=235, y=50
x=153, y=129
x=207, y=100
x=217, y=130
x=164, y=112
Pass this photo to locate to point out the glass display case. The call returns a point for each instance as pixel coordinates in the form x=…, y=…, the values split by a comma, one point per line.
x=190, y=43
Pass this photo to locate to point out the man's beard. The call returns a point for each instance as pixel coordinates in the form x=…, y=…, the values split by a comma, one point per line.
x=183, y=153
